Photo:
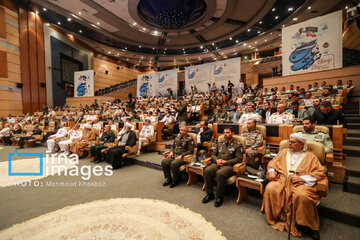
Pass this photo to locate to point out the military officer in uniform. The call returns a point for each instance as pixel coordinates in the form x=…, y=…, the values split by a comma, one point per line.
x=280, y=117
x=254, y=139
x=183, y=145
x=107, y=137
x=314, y=135
x=226, y=154
x=250, y=114
x=220, y=114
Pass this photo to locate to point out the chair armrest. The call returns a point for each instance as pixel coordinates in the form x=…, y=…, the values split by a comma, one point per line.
x=261, y=150
x=207, y=144
x=207, y=161
x=151, y=138
x=329, y=157
x=188, y=158
x=131, y=149
x=165, y=154
x=239, y=167
x=322, y=187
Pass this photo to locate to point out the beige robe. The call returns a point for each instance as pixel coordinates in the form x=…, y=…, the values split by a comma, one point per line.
x=279, y=193
x=79, y=147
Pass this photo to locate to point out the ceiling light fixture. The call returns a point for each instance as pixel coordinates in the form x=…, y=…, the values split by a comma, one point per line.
x=260, y=22
x=258, y=32
x=273, y=9
x=237, y=41
x=59, y=23
x=134, y=23
x=295, y=18
x=290, y=9
x=44, y=9
x=69, y=19
x=248, y=30
x=276, y=18
x=80, y=31
x=139, y=46
x=98, y=23
x=309, y=7
x=201, y=47
x=230, y=38
x=79, y=13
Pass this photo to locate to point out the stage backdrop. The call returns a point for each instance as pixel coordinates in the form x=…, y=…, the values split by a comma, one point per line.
x=167, y=80
x=146, y=84
x=219, y=72
x=84, y=83
x=313, y=45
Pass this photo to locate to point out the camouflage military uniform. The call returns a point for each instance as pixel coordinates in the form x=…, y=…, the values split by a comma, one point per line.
x=330, y=99
x=230, y=152
x=321, y=137
x=220, y=116
x=182, y=146
x=288, y=103
x=253, y=140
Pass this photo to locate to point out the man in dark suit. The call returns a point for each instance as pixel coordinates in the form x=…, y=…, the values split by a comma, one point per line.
x=37, y=131
x=204, y=134
x=235, y=114
x=114, y=155
x=267, y=111
x=45, y=109
x=328, y=116
x=182, y=111
x=16, y=130
x=48, y=134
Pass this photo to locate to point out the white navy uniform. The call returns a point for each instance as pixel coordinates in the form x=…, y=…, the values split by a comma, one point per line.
x=247, y=116
x=59, y=134
x=65, y=145
x=284, y=118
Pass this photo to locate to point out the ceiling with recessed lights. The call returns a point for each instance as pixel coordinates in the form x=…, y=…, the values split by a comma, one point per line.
x=177, y=32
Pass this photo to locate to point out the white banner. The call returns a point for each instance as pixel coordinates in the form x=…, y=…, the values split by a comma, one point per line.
x=146, y=84
x=223, y=71
x=84, y=83
x=198, y=76
x=313, y=45
x=167, y=81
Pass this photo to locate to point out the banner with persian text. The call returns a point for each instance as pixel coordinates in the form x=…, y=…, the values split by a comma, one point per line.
x=220, y=72
x=313, y=45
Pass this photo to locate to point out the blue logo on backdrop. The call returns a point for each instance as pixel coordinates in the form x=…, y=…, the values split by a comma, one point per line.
x=11, y=155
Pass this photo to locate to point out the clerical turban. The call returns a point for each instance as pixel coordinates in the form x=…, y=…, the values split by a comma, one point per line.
x=298, y=137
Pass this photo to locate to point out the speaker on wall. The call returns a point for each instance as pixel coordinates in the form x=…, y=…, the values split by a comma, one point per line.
x=19, y=85
x=42, y=84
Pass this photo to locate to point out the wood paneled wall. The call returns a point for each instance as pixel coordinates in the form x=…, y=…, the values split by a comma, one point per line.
x=32, y=60
x=123, y=94
x=10, y=72
x=114, y=76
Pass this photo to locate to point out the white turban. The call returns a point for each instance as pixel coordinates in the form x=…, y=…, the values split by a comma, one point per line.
x=87, y=126
x=128, y=125
x=300, y=138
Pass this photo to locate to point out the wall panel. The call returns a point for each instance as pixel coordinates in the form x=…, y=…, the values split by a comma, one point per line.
x=114, y=76
x=10, y=101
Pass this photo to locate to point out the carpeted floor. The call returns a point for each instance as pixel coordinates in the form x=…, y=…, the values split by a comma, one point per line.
x=21, y=203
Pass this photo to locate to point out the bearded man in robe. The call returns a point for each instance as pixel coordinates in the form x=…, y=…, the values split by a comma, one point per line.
x=293, y=176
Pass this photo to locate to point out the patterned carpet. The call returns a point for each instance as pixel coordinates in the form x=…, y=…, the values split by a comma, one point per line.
x=121, y=218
